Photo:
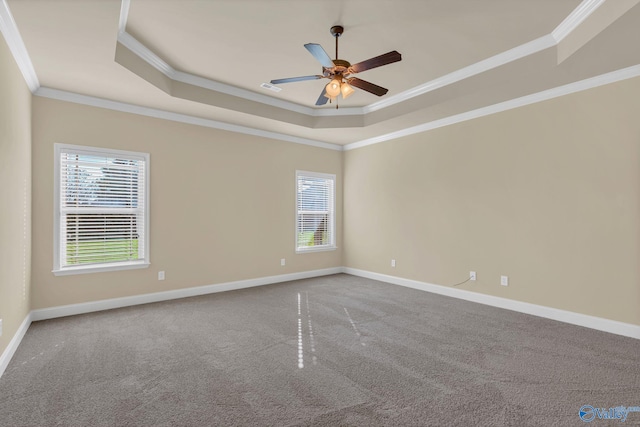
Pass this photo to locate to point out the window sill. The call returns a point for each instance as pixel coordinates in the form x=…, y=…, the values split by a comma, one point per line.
x=315, y=249
x=85, y=269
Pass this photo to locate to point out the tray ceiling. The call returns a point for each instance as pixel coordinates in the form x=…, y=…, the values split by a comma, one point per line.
x=207, y=59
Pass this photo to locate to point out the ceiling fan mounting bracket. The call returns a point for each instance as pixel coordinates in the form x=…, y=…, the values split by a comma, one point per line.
x=337, y=30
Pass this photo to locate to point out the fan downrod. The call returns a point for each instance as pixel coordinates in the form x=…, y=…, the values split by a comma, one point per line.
x=336, y=31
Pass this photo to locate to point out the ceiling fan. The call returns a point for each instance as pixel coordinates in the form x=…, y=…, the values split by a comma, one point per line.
x=340, y=72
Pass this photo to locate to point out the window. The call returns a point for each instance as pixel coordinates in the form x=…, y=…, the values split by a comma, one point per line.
x=315, y=211
x=101, y=217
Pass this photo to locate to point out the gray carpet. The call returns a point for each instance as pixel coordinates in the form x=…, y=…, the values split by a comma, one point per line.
x=331, y=351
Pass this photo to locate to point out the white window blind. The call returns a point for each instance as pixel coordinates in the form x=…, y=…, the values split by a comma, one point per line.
x=315, y=211
x=102, y=212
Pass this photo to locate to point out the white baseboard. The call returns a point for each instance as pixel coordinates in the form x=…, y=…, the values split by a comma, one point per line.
x=108, y=304
x=598, y=323
x=592, y=322
x=7, y=354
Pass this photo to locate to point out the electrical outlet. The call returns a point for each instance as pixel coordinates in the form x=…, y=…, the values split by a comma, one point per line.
x=282, y=262
x=160, y=275
x=0, y=327
x=393, y=263
x=472, y=275
x=504, y=280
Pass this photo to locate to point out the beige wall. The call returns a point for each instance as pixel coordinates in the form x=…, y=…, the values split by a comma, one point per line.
x=547, y=194
x=15, y=196
x=222, y=203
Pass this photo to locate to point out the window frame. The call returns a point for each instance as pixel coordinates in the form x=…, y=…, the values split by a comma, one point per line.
x=332, y=214
x=58, y=269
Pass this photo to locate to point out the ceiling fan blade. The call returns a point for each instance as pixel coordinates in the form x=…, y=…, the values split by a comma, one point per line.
x=322, y=99
x=369, y=87
x=319, y=53
x=378, y=61
x=296, y=79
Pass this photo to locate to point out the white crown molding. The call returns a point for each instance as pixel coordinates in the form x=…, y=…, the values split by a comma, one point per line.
x=575, y=18
x=209, y=84
x=346, y=111
x=570, y=88
x=62, y=95
x=495, y=61
x=138, y=48
x=9, y=30
x=146, y=54
x=598, y=323
x=590, y=83
x=124, y=16
x=8, y=353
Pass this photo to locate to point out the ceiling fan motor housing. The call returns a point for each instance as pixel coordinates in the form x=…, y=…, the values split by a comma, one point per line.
x=340, y=66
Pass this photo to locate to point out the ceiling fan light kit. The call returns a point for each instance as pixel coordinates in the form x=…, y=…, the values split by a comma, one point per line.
x=339, y=71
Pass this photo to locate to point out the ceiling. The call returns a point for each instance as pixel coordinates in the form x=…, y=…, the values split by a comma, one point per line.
x=206, y=59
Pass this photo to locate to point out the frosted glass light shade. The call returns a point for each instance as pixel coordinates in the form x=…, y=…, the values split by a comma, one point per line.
x=333, y=88
x=346, y=90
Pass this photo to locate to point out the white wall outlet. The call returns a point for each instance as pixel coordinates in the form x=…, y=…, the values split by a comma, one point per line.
x=472, y=275
x=393, y=263
x=160, y=275
x=0, y=327
x=504, y=280
x=282, y=261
